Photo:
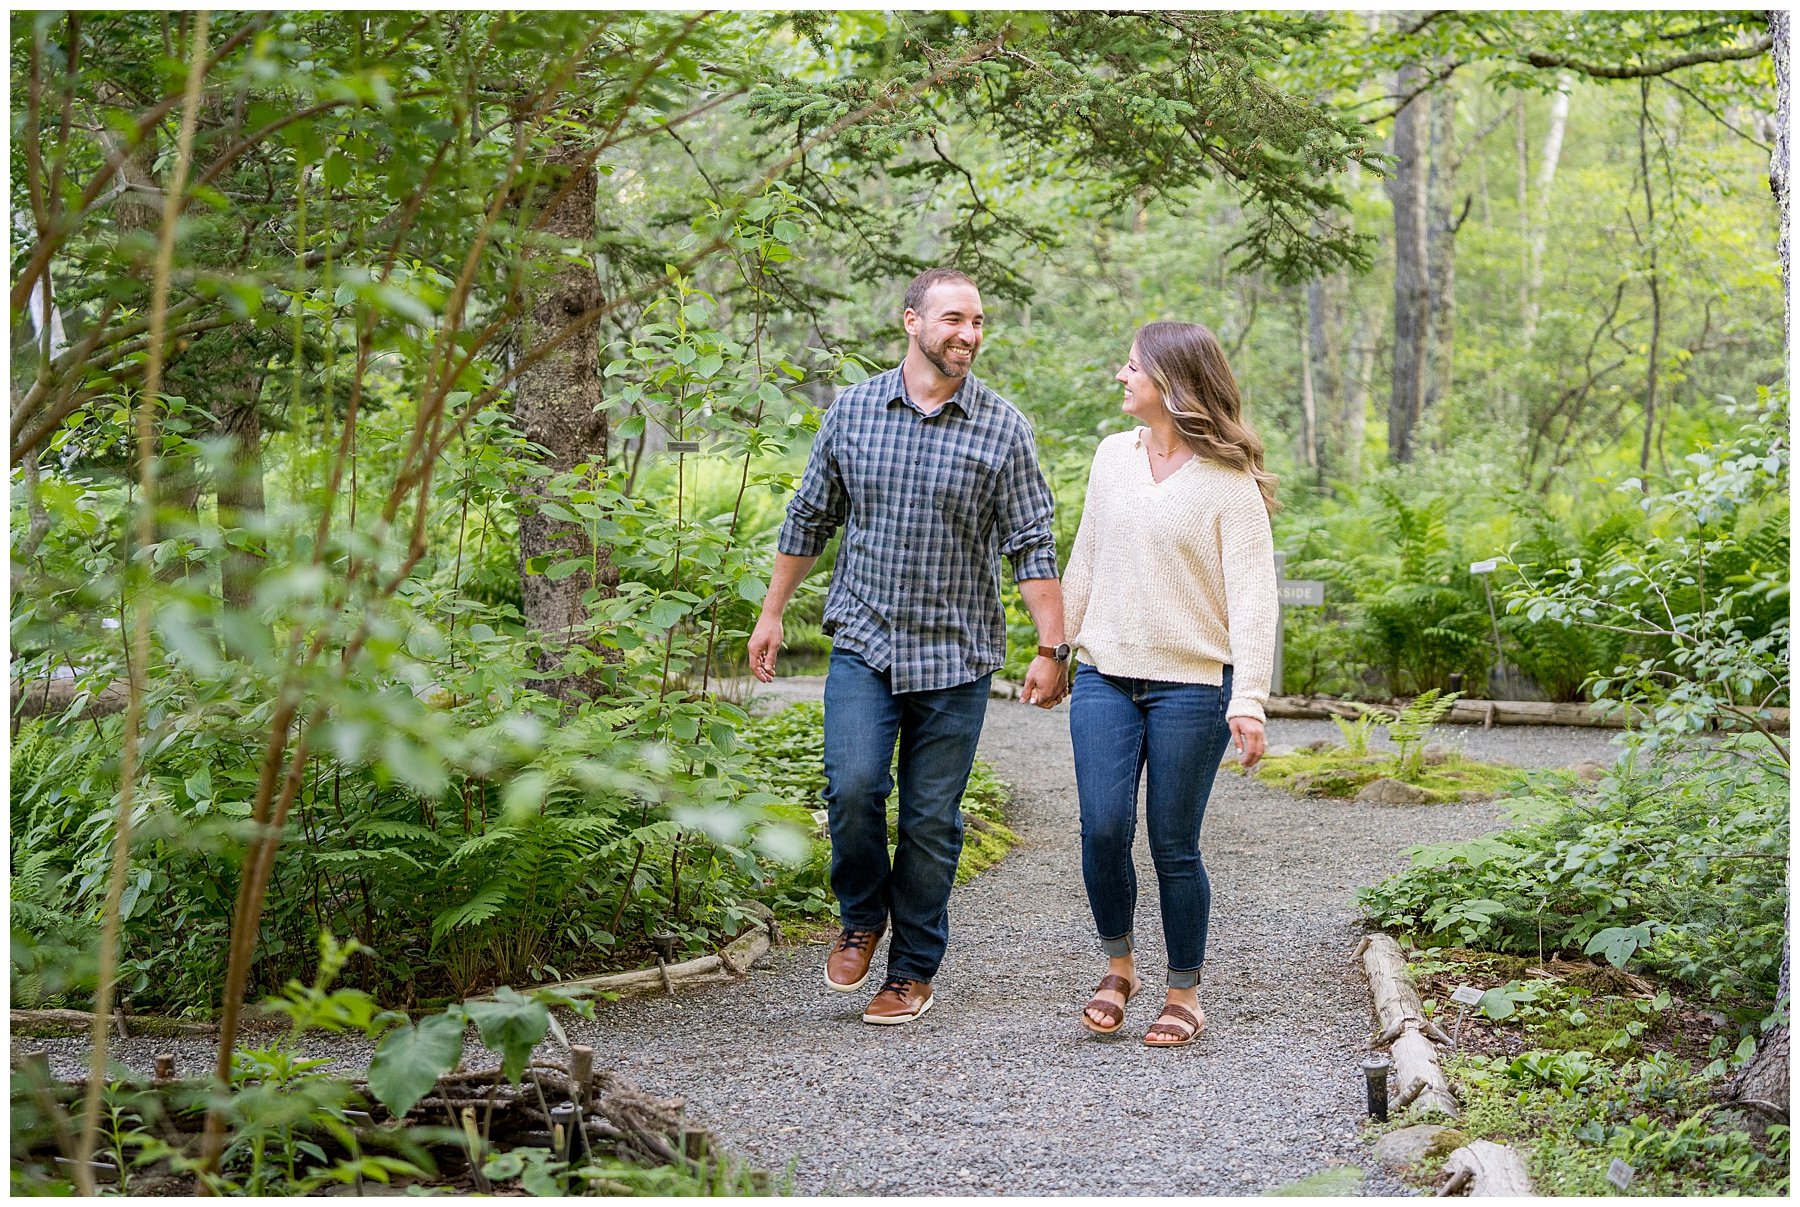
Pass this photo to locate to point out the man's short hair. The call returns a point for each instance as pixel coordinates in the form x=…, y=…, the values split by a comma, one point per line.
x=926, y=281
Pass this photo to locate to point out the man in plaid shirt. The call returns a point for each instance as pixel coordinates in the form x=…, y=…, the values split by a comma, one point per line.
x=934, y=477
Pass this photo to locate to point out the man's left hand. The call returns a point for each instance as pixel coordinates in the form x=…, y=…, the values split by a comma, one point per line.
x=1046, y=682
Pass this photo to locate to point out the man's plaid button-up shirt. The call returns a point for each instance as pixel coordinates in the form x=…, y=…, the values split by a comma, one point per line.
x=929, y=504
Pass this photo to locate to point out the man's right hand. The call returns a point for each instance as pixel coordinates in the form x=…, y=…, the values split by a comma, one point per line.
x=765, y=643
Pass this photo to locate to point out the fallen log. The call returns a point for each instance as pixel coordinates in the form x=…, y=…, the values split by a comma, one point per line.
x=1402, y=1028
x=1486, y=1170
x=57, y=1021
x=731, y=963
x=52, y=697
x=1488, y=713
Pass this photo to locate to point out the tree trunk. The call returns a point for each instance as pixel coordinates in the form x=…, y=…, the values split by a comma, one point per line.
x=1444, y=221
x=1763, y=1083
x=1778, y=169
x=1406, y=189
x=1653, y=366
x=1356, y=397
x=240, y=496
x=1765, y=1079
x=557, y=405
x=1538, y=230
x=1309, y=406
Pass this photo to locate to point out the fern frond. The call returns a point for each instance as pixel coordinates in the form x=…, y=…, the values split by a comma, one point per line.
x=482, y=907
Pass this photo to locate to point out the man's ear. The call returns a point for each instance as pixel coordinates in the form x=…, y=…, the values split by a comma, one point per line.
x=909, y=319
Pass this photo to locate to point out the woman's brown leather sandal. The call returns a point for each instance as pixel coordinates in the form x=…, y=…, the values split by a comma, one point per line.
x=1184, y=1031
x=1112, y=1011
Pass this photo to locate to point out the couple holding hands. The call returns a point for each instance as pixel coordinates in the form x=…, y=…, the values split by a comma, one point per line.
x=1168, y=603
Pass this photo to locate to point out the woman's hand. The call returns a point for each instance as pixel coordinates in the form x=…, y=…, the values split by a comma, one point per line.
x=1046, y=682
x=1247, y=736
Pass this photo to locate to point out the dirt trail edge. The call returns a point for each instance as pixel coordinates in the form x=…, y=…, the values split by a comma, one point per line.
x=999, y=1089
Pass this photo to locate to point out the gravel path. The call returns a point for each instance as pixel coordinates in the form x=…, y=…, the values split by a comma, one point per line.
x=999, y=1089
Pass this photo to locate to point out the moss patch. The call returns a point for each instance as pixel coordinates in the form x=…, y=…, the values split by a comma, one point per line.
x=1336, y=774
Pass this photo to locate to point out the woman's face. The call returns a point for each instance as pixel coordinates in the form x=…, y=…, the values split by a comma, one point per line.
x=1142, y=399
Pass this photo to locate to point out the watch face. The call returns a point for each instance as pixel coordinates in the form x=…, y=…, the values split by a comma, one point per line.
x=1062, y=652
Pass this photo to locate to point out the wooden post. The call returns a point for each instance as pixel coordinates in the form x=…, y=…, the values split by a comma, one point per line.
x=581, y=1074
x=165, y=1066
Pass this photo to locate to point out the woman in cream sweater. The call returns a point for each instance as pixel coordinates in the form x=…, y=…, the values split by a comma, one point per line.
x=1170, y=600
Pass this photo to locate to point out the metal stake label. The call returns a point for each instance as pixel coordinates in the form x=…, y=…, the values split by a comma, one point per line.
x=1468, y=995
x=1620, y=1174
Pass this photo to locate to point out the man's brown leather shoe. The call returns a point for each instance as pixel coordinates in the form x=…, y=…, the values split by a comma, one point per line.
x=900, y=1001
x=847, y=967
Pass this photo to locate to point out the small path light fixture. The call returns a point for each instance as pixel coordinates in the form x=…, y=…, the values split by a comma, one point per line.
x=1375, y=1067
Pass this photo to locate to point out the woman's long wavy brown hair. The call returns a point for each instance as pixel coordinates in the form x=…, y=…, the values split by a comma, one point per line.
x=1188, y=366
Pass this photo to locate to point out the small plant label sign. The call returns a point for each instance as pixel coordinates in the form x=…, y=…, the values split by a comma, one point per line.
x=1467, y=995
x=1620, y=1174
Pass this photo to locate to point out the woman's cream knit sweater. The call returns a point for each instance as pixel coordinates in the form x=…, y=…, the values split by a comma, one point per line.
x=1173, y=580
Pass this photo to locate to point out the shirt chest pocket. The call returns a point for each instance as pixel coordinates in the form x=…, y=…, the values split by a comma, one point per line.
x=964, y=488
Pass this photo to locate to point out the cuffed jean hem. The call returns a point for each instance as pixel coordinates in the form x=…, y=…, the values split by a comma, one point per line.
x=1184, y=978
x=1114, y=948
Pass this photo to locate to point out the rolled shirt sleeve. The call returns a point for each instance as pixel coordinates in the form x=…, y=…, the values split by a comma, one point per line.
x=820, y=503
x=1026, y=510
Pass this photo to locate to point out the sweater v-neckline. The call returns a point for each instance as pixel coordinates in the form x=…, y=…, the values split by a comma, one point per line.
x=1150, y=467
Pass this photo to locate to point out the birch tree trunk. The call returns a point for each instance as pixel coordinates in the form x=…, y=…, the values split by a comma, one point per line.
x=1309, y=406
x=1653, y=366
x=1538, y=233
x=1406, y=190
x=557, y=405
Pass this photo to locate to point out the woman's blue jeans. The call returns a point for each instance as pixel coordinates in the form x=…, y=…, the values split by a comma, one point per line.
x=937, y=732
x=1172, y=734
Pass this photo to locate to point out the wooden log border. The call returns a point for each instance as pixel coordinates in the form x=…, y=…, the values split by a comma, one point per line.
x=1486, y=713
x=731, y=963
x=1485, y=1169
x=1401, y=1027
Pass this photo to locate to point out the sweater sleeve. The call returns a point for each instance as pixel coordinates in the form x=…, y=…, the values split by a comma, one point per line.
x=1078, y=575
x=1247, y=549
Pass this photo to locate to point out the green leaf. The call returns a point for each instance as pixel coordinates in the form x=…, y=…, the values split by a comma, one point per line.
x=1618, y=943
x=409, y=1060
x=1497, y=1003
x=512, y=1025
x=665, y=612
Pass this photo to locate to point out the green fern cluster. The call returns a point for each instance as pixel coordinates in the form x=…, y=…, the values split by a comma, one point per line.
x=1409, y=730
x=1356, y=734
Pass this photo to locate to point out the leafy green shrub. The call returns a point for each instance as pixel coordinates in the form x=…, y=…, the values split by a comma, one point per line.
x=1701, y=601
x=1572, y=1112
x=1681, y=868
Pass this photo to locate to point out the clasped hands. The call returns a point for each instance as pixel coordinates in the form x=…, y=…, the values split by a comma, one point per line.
x=1046, y=683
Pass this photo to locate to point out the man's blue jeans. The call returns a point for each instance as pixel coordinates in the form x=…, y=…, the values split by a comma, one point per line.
x=1176, y=732
x=937, y=731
